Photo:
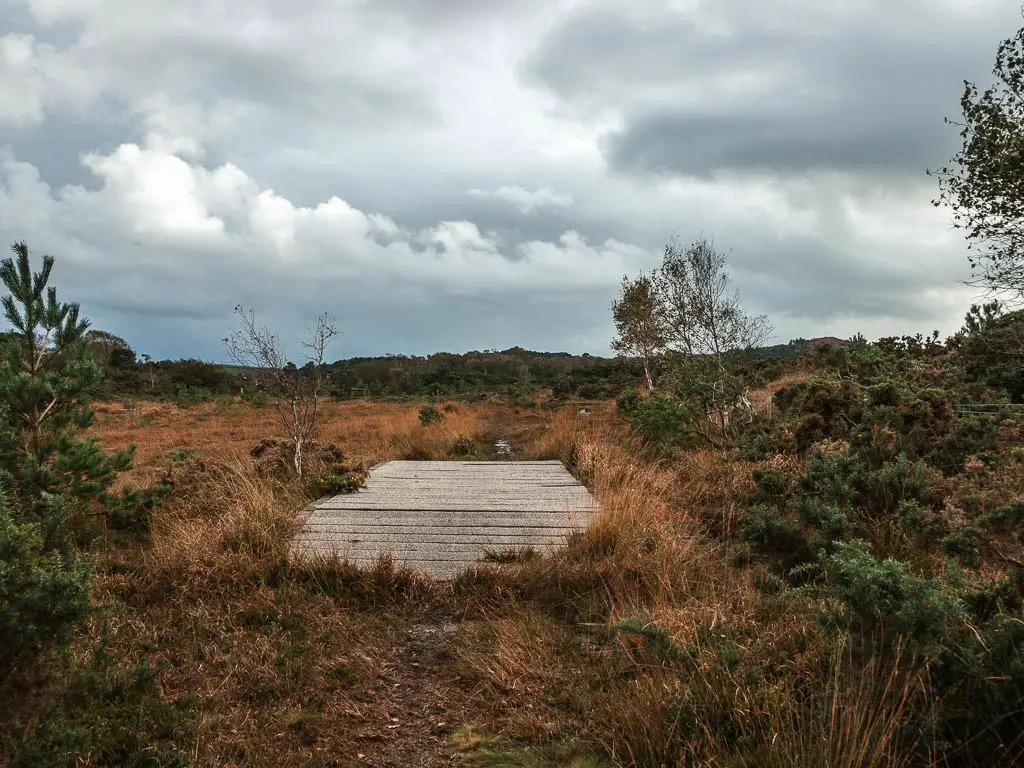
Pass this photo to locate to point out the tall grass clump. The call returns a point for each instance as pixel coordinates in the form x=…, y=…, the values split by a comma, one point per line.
x=228, y=523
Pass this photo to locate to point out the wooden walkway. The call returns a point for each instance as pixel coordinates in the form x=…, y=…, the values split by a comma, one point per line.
x=441, y=517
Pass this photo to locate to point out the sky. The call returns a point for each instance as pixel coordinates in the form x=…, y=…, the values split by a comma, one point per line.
x=448, y=175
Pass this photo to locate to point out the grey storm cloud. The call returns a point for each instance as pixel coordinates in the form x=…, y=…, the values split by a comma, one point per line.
x=779, y=87
x=456, y=175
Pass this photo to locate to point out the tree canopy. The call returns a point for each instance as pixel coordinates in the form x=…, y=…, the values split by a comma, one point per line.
x=983, y=183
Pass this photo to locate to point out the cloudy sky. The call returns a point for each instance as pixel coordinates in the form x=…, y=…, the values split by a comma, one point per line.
x=471, y=174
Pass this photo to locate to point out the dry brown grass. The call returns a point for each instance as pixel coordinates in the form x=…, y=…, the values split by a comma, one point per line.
x=401, y=436
x=656, y=555
x=223, y=525
x=367, y=432
x=313, y=664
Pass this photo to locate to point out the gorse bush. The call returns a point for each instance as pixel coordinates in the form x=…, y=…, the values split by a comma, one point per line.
x=880, y=599
x=332, y=484
x=897, y=515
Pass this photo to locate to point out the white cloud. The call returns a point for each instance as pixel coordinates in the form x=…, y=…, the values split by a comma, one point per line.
x=318, y=155
x=524, y=200
x=35, y=76
x=168, y=206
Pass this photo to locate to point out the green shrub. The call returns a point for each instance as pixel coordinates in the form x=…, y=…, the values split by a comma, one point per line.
x=225, y=402
x=771, y=484
x=430, y=415
x=630, y=402
x=822, y=408
x=187, y=397
x=829, y=522
x=1003, y=518
x=333, y=484
x=992, y=349
x=522, y=394
x=899, y=420
x=185, y=453
x=777, y=538
x=44, y=592
x=969, y=436
x=964, y=545
x=258, y=398
x=130, y=511
x=882, y=490
x=116, y=716
x=880, y=599
x=664, y=423
x=979, y=682
x=830, y=477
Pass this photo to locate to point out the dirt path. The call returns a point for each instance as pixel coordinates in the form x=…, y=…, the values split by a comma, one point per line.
x=417, y=701
x=422, y=693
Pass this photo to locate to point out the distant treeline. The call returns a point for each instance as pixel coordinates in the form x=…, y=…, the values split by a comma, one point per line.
x=515, y=372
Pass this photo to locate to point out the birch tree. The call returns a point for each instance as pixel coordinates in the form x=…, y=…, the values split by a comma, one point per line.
x=703, y=313
x=640, y=322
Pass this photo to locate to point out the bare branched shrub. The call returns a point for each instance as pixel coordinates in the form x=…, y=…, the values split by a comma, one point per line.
x=295, y=390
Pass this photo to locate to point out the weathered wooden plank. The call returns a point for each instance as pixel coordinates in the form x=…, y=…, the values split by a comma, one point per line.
x=469, y=532
x=543, y=473
x=432, y=538
x=440, y=517
x=460, y=491
x=508, y=467
x=477, y=518
x=455, y=501
x=444, y=464
x=456, y=483
x=481, y=507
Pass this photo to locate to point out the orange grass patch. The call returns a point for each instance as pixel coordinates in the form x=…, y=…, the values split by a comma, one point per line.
x=367, y=432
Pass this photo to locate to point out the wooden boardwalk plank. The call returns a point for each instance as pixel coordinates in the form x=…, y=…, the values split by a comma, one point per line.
x=456, y=519
x=440, y=517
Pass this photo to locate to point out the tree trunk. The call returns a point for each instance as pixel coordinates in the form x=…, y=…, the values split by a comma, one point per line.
x=647, y=373
x=298, y=456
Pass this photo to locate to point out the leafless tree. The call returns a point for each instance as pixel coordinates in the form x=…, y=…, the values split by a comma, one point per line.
x=704, y=316
x=295, y=390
